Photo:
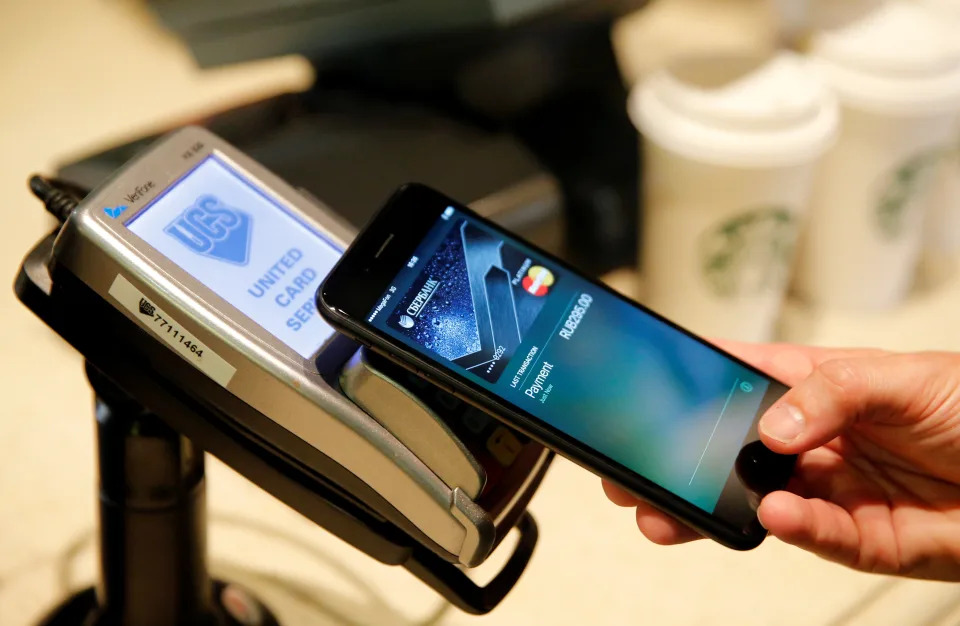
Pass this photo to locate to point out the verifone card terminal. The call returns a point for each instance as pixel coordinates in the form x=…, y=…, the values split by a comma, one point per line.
x=210, y=264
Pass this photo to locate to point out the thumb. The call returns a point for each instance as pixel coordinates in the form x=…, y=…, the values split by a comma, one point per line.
x=838, y=394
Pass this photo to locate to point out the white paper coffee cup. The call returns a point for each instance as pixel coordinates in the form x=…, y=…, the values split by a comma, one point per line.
x=730, y=149
x=897, y=75
x=940, y=259
x=941, y=254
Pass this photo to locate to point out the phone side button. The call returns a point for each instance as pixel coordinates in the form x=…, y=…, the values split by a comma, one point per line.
x=470, y=401
x=392, y=359
x=433, y=381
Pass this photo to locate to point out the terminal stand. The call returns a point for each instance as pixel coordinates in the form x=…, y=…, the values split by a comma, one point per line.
x=152, y=534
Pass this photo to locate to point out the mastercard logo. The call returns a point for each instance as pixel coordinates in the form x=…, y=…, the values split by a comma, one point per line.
x=538, y=281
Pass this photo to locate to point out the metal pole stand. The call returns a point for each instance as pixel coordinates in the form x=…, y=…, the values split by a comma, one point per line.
x=153, y=543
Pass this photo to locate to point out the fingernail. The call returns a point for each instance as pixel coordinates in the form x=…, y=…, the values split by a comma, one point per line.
x=760, y=517
x=783, y=423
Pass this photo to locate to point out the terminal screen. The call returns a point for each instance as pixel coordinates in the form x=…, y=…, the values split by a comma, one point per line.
x=217, y=225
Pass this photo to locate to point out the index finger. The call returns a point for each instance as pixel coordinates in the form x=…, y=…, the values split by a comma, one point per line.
x=656, y=526
x=618, y=496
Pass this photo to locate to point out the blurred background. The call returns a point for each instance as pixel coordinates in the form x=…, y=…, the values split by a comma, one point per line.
x=754, y=169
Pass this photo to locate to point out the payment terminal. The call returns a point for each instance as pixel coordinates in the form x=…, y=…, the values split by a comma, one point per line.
x=189, y=278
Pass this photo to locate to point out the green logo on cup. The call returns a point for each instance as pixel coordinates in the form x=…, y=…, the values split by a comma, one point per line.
x=750, y=253
x=906, y=185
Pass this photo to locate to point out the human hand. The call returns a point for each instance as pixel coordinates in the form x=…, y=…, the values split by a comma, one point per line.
x=877, y=483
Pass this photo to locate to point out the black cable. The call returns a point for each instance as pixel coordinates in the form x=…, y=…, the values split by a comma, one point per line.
x=58, y=201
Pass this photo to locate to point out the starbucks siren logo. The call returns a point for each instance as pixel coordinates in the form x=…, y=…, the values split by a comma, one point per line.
x=906, y=186
x=750, y=253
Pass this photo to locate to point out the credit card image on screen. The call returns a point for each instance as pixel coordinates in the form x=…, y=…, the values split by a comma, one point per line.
x=591, y=374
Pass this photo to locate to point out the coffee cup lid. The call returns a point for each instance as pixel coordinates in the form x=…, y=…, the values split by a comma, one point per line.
x=746, y=111
x=899, y=59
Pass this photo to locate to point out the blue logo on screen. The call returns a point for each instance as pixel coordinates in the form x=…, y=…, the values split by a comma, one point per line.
x=211, y=228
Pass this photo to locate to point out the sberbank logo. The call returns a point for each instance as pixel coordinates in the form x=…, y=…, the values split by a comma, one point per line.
x=749, y=253
x=211, y=228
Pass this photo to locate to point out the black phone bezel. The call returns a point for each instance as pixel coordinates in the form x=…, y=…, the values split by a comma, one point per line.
x=383, y=248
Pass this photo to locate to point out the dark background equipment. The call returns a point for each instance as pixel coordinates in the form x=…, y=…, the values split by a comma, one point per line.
x=517, y=100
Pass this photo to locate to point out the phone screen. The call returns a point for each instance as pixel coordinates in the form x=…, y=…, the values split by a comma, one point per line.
x=587, y=363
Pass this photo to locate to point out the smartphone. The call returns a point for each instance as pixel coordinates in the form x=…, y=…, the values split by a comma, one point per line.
x=594, y=376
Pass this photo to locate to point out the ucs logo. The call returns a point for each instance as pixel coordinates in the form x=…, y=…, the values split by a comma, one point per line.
x=212, y=229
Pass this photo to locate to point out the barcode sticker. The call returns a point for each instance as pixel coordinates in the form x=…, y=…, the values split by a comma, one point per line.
x=171, y=332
